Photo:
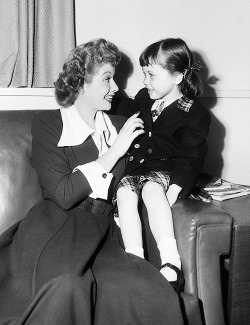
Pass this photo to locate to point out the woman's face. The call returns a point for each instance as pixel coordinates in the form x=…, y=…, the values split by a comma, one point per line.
x=98, y=94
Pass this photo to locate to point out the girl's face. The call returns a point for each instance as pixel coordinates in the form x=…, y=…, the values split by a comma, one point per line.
x=158, y=81
x=98, y=94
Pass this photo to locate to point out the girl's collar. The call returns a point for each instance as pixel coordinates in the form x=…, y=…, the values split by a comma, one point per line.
x=184, y=103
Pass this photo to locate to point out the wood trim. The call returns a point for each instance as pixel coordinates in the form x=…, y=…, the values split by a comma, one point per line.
x=214, y=93
x=43, y=98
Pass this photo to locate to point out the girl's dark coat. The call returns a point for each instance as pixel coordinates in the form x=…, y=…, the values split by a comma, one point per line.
x=175, y=142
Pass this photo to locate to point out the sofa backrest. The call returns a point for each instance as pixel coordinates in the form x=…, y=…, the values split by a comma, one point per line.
x=19, y=187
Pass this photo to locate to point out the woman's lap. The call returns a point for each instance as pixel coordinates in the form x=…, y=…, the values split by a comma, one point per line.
x=47, y=244
x=46, y=249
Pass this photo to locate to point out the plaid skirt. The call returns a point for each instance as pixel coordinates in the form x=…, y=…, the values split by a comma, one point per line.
x=136, y=182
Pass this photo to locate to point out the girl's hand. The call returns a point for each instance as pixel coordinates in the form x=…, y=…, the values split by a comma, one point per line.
x=131, y=129
x=172, y=194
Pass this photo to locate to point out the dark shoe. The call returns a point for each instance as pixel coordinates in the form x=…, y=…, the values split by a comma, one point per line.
x=178, y=285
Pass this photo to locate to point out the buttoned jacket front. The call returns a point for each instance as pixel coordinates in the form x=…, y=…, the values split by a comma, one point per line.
x=175, y=142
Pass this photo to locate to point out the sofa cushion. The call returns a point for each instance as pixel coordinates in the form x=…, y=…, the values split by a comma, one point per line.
x=19, y=187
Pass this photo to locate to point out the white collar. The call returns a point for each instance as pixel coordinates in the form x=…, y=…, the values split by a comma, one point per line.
x=76, y=130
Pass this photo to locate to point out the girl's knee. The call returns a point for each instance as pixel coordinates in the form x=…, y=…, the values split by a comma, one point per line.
x=151, y=189
x=125, y=195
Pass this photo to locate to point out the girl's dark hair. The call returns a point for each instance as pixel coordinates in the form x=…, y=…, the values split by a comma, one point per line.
x=174, y=55
x=80, y=66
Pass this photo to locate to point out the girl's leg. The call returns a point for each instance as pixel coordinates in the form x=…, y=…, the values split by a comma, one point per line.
x=161, y=224
x=130, y=223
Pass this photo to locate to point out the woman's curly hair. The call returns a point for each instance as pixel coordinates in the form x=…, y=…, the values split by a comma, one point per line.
x=80, y=67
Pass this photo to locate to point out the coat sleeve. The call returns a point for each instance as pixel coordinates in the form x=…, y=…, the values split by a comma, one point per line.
x=190, y=161
x=57, y=179
x=128, y=106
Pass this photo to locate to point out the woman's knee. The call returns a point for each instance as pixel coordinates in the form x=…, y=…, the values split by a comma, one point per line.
x=72, y=283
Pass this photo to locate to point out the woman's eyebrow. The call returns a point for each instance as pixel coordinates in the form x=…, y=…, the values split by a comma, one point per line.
x=106, y=72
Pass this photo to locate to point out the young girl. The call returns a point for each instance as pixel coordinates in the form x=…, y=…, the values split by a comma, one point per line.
x=163, y=162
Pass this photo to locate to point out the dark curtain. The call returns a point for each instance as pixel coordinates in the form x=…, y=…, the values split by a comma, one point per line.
x=35, y=39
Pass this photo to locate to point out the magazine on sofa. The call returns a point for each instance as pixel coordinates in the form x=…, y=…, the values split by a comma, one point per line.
x=209, y=188
x=221, y=190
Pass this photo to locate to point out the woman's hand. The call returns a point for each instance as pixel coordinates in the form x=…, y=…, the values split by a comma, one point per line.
x=131, y=129
x=172, y=193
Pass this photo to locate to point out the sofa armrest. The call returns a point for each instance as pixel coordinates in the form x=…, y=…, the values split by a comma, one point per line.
x=203, y=233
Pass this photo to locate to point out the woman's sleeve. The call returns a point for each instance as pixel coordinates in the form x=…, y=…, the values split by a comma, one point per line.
x=193, y=150
x=58, y=181
x=99, y=180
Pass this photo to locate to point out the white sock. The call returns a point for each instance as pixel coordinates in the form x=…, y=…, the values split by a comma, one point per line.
x=169, y=254
x=136, y=250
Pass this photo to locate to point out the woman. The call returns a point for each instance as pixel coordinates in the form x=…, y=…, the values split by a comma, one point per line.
x=64, y=264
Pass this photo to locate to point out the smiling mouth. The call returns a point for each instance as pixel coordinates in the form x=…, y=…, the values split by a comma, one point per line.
x=109, y=98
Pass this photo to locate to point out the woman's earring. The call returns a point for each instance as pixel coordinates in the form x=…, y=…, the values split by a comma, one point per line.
x=81, y=92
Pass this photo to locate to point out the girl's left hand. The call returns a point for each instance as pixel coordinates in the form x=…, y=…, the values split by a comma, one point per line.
x=172, y=193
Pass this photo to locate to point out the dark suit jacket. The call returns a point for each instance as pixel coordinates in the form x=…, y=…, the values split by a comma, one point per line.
x=54, y=165
x=175, y=142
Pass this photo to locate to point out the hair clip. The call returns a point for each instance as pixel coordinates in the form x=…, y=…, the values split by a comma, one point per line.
x=196, y=66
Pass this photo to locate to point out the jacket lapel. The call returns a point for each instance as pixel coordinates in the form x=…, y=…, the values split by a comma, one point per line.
x=145, y=108
x=170, y=115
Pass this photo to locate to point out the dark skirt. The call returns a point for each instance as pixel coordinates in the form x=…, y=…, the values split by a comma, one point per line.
x=59, y=267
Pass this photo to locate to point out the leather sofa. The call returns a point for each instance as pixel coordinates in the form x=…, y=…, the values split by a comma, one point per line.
x=203, y=231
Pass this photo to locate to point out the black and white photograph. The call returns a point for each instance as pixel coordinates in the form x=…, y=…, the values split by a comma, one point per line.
x=124, y=163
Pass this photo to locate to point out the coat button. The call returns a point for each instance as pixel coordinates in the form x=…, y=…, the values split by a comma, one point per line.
x=149, y=133
x=141, y=161
x=150, y=151
x=137, y=145
x=131, y=158
x=104, y=175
